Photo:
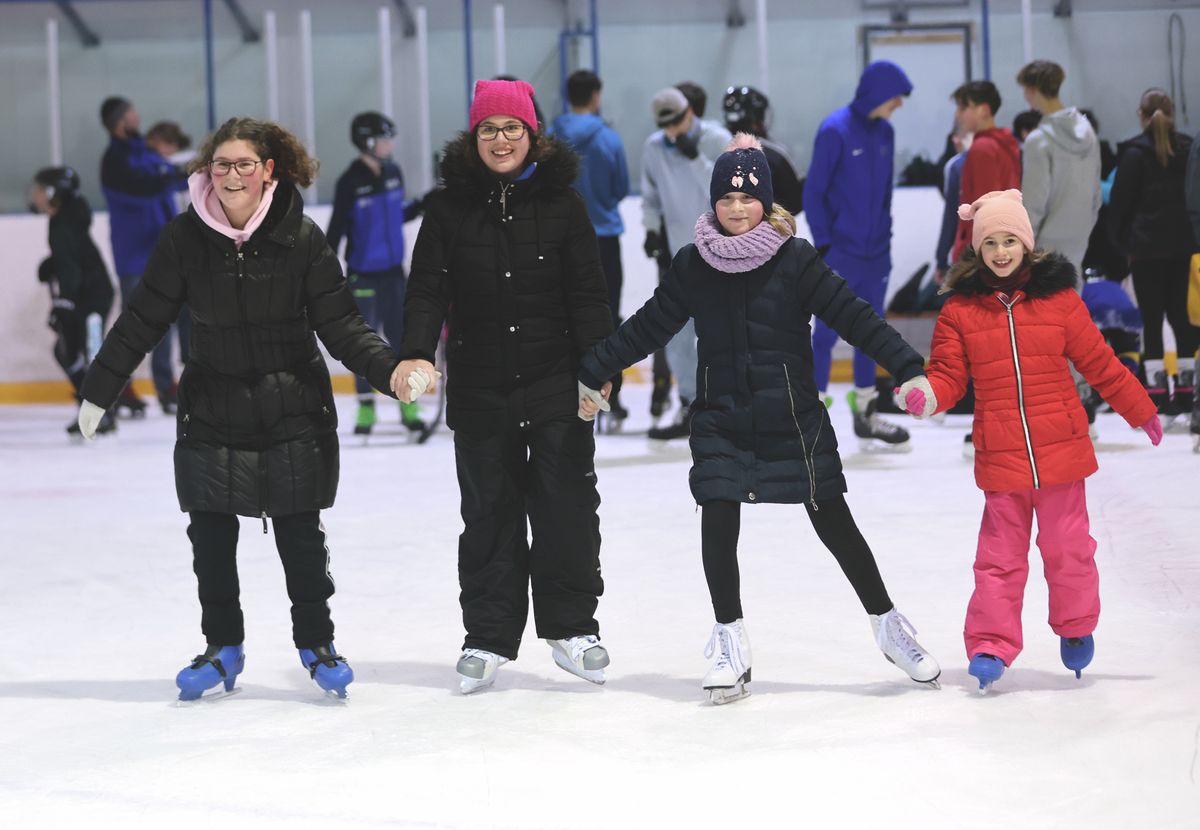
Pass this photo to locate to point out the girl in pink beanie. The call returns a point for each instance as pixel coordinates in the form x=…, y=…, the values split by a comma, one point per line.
x=1013, y=323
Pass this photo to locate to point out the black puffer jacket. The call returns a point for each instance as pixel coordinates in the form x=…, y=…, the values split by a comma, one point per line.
x=1147, y=214
x=760, y=433
x=516, y=269
x=256, y=423
x=80, y=271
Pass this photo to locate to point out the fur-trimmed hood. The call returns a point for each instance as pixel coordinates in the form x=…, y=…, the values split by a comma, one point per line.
x=1054, y=273
x=464, y=174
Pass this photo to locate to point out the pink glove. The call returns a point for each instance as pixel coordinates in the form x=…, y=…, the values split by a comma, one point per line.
x=1153, y=430
x=914, y=401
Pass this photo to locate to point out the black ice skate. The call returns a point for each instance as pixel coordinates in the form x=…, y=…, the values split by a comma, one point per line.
x=874, y=433
x=682, y=427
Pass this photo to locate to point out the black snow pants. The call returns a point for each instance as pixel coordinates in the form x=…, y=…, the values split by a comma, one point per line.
x=542, y=479
x=300, y=540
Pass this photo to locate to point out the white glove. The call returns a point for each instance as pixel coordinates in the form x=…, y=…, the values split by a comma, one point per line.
x=916, y=396
x=586, y=393
x=419, y=381
x=89, y=419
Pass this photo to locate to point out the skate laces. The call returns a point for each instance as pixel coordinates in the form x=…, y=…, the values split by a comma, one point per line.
x=724, y=635
x=893, y=630
x=488, y=657
x=581, y=644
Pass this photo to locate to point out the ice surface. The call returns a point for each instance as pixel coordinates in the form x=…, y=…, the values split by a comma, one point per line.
x=98, y=612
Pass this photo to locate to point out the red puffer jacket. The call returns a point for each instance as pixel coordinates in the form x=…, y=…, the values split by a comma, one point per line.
x=1030, y=428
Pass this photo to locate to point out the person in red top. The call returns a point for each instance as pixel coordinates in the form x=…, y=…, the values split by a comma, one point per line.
x=1011, y=325
x=994, y=160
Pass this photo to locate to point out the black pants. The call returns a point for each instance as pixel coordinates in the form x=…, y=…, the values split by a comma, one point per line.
x=720, y=523
x=300, y=539
x=1161, y=289
x=610, y=262
x=544, y=475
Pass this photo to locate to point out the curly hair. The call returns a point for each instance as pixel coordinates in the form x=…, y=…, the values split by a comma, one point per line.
x=271, y=141
x=972, y=264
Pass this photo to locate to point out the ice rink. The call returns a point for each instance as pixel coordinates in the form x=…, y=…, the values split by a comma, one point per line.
x=98, y=613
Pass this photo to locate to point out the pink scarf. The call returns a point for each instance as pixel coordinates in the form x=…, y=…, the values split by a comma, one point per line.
x=736, y=254
x=208, y=207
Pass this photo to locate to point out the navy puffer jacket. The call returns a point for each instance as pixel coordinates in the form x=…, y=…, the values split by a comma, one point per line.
x=760, y=432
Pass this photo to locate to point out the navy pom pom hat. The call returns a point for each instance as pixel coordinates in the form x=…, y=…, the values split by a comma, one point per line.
x=742, y=168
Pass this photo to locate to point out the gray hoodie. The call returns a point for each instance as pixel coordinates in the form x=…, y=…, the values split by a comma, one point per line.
x=1060, y=182
x=674, y=187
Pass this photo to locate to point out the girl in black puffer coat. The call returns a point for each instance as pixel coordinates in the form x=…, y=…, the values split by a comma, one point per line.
x=1148, y=221
x=760, y=432
x=256, y=431
x=76, y=275
x=508, y=256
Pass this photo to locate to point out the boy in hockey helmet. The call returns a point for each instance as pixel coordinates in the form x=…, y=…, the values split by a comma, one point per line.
x=369, y=212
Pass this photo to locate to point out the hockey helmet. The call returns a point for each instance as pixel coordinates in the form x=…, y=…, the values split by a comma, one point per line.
x=745, y=110
x=368, y=127
x=58, y=182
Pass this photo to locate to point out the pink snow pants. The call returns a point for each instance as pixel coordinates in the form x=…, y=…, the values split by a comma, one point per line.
x=993, y=623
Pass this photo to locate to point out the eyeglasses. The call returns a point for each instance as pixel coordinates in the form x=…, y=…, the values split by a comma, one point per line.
x=488, y=132
x=244, y=167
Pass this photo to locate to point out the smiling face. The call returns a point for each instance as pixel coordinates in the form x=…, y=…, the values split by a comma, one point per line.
x=240, y=193
x=738, y=212
x=503, y=155
x=1002, y=252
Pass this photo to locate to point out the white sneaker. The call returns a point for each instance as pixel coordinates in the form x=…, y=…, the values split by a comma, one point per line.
x=477, y=669
x=582, y=656
x=892, y=633
x=730, y=672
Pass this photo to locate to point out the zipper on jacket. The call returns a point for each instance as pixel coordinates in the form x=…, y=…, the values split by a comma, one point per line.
x=504, y=200
x=808, y=463
x=706, y=386
x=1012, y=339
x=186, y=423
x=262, y=459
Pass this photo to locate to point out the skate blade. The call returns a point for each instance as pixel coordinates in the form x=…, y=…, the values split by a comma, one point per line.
x=728, y=694
x=207, y=697
x=873, y=446
x=591, y=675
x=933, y=684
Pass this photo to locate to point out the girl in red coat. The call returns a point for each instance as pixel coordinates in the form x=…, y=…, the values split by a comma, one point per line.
x=1013, y=323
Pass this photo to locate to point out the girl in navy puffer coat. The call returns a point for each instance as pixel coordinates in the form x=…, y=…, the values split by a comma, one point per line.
x=759, y=432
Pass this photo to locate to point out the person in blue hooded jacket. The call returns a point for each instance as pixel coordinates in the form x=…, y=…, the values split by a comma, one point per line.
x=139, y=188
x=848, y=200
x=603, y=182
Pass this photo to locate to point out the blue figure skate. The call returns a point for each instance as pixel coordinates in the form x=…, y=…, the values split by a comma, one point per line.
x=1077, y=652
x=328, y=668
x=986, y=669
x=218, y=664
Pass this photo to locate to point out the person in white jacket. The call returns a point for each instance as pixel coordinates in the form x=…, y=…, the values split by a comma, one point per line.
x=1060, y=179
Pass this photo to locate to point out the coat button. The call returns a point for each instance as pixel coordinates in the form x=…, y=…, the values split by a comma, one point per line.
x=752, y=497
x=508, y=273
x=512, y=328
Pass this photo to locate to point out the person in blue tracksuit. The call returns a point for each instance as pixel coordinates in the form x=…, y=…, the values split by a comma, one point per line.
x=848, y=202
x=139, y=188
x=369, y=212
x=603, y=182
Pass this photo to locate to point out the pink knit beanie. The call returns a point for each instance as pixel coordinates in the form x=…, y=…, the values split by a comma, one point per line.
x=513, y=98
x=1000, y=210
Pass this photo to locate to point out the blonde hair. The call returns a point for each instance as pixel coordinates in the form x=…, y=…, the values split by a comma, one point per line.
x=782, y=220
x=1157, y=108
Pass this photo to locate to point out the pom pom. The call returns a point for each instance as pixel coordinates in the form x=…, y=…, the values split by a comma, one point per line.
x=966, y=212
x=743, y=141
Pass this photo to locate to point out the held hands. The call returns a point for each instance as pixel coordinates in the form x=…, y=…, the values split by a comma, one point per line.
x=1153, y=430
x=90, y=415
x=412, y=378
x=592, y=401
x=916, y=397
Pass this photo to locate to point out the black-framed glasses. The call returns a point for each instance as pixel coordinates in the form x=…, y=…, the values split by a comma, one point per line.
x=488, y=132
x=244, y=166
